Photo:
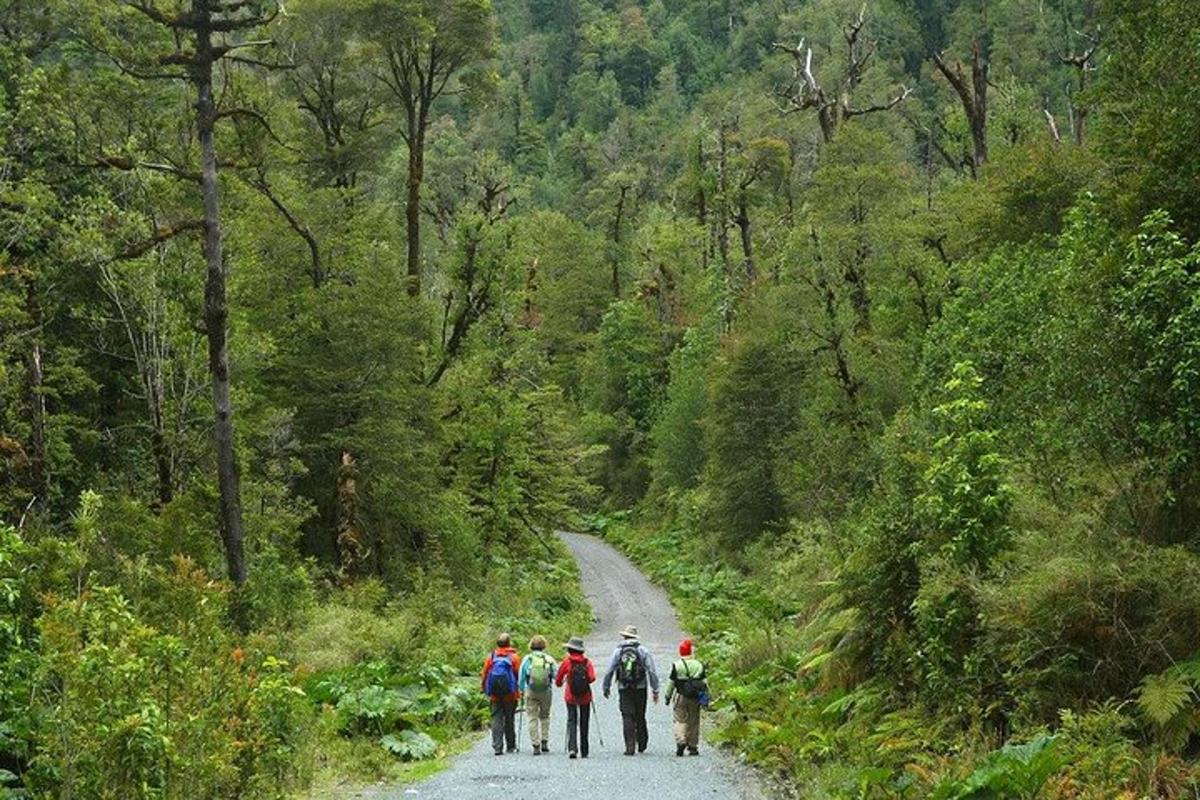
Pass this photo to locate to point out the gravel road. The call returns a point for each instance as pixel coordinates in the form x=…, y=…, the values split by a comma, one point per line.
x=619, y=595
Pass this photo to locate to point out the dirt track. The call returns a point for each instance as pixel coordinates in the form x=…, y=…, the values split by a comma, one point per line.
x=619, y=595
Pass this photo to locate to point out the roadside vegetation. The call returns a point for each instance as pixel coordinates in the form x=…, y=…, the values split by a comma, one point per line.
x=871, y=329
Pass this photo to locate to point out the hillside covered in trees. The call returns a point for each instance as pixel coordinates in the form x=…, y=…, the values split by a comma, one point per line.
x=872, y=329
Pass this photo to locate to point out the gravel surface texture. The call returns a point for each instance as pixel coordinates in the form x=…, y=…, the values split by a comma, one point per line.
x=620, y=595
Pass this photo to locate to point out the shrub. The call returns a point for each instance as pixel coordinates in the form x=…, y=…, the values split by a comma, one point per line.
x=124, y=709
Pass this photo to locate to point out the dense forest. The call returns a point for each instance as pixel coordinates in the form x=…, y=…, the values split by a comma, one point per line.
x=871, y=329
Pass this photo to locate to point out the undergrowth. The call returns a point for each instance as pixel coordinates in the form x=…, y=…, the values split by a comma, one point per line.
x=785, y=700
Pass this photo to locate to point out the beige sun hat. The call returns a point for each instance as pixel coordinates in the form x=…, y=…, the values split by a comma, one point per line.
x=630, y=632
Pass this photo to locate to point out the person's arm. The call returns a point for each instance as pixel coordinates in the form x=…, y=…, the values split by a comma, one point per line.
x=517, y=667
x=651, y=672
x=591, y=671
x=612, y=668
x=671, y=685
x=487, y=667
x=561, y=675
x=523, y=675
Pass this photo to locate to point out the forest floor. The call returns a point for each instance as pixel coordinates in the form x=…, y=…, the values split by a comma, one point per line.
x=619, y=595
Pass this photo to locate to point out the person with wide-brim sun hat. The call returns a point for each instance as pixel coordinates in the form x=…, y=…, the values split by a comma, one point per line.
x=577, y=673
x=633, y=667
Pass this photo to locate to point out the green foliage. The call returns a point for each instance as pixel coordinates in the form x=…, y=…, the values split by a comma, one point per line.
x=1017, y=771
x=911, y=439
x=1168, y=701
x=123, y=708
x=751, y=404
x=678, y=435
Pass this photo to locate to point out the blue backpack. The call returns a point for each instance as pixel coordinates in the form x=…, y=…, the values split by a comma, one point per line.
x=501, y=680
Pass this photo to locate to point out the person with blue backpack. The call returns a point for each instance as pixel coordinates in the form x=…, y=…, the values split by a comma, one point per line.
x=536, y=683
x=500, y=684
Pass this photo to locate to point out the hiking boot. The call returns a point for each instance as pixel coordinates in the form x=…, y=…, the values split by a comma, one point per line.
x=537, y=750
x=693, y=751
x=499, y=752
x=628, y=752
x=545, y=747
x=574, y=754
x=512, y=749
x=678, y=750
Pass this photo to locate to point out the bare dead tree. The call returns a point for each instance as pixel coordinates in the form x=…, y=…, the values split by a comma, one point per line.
x=833, y=105
x=1083, y=62
x=973, y=95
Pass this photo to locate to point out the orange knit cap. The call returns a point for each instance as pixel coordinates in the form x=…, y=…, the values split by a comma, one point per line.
x=685, y=648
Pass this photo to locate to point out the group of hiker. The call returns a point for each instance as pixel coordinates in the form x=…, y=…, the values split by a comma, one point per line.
x=509, y=680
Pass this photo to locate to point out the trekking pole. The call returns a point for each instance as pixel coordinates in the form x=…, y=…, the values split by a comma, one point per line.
x=520, y=722
x=596, y=717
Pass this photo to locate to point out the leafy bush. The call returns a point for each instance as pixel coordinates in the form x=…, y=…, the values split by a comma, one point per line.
x=1015, y=772
x=126, y=709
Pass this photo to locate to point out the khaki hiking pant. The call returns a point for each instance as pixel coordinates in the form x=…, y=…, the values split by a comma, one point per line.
x=537, y=708
x=687, y=721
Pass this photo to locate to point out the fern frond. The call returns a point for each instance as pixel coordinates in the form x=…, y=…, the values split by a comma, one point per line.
x=1164, y=697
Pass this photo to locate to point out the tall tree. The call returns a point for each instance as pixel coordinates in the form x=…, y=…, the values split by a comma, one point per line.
x=426, y=45
x=188, y=41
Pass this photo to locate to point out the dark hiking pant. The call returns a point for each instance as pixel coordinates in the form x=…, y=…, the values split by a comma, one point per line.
x=633, y=719
x=504, y=724
x=578, y=718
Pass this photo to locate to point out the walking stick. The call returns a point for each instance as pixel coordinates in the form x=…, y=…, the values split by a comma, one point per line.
x=596, y=717
x=520, y=722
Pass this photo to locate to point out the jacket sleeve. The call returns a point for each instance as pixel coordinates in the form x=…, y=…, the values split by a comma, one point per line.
x=517, y=667
x=591, y=671
x=651, y=671
x=523, y=675
x=671, y=684
x=562, y=673
x=487, y=666
x=612, y=667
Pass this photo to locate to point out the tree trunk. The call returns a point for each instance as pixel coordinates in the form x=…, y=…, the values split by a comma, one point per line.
x=974, y=100
x=413, y=216
x=743, y=222
x=618, y=221
x=158, y=441
x=35, y=379
x=978, y=110
x=353, y=552
x=216, y=309
x=412, y=208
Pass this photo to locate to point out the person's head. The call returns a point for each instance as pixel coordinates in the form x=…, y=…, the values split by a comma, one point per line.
x=686, y=647
x=537, y=643
x=504, y=640
x=575, y=645
x=630, y=632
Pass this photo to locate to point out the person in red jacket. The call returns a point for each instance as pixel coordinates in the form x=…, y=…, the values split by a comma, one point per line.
x=500, y=672
x=577, y=673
